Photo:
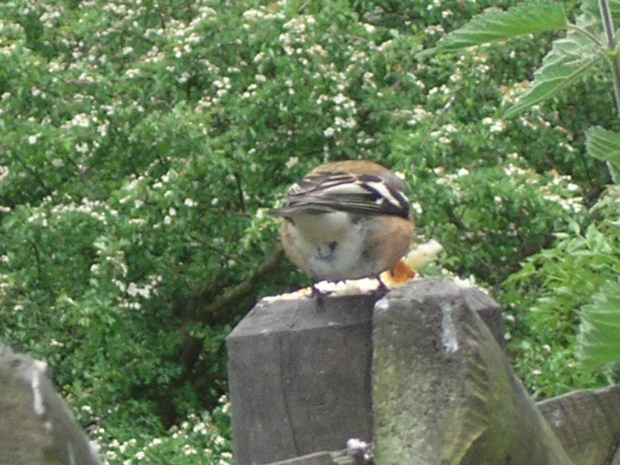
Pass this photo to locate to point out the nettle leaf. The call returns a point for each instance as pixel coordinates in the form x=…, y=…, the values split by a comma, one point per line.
x=599, y=338
x=605, y=145
x=492, y=26
x=569, y=59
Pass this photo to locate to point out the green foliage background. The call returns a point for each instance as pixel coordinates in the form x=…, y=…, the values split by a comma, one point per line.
x=142, y=143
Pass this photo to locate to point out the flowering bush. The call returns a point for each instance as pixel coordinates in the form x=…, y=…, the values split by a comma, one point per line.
x=144, y=141
x=580, y=273
x=197, y=440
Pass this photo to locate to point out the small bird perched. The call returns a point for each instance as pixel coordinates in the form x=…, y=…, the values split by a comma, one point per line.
x=346, y=220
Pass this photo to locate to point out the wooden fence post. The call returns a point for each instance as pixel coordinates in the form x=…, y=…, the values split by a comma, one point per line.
x=443, y=391
x=299, y=377
x=300, y=373
x=588, y=424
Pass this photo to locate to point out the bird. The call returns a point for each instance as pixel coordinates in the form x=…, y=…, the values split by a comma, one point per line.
x=346, y=220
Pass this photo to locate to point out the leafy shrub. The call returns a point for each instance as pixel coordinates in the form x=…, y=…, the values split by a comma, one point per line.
x=580, y=267
x=143, y=142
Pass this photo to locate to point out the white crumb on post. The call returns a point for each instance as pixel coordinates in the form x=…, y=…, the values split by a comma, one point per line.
x=331, y=288
x=355, y=443
x=423, y=254
x=348, y=287
x=360, y=450
x=464, y=283
x=382, y=305
x=40, y=365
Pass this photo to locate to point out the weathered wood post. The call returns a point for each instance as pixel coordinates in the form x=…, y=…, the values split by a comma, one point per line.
x=300, y=373
x=35, y=426
x=299, y=377
x=587, y=423
x=443, y=391
x=440, y=389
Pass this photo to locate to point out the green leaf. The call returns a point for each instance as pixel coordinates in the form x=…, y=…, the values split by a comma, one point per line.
x=526, y=18
x=593, y=7
x=605, y=145
x=614, y=6
x=599, y=338
x=569, y=59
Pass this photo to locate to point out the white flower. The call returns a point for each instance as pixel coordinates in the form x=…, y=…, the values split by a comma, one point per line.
x=131, y=73
x=292, y=161
x=82, y=148
x=340, y=99
x=80, y=120
x=370, y=29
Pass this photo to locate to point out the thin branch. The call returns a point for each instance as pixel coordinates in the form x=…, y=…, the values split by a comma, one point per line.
x=229, y=305
x=608, y=25
x=35, y=176
x=442, y=113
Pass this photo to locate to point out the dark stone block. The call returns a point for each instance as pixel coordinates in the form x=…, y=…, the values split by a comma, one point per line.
x=35, y=426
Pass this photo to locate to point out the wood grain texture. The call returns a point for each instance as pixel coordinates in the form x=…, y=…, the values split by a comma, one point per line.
x=587, y=423
x=443, y=390
x=299, y=376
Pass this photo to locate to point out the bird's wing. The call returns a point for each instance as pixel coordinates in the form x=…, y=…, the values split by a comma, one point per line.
x=337, y=191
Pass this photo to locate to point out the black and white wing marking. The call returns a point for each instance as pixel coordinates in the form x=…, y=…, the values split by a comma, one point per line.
x=337, y=191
